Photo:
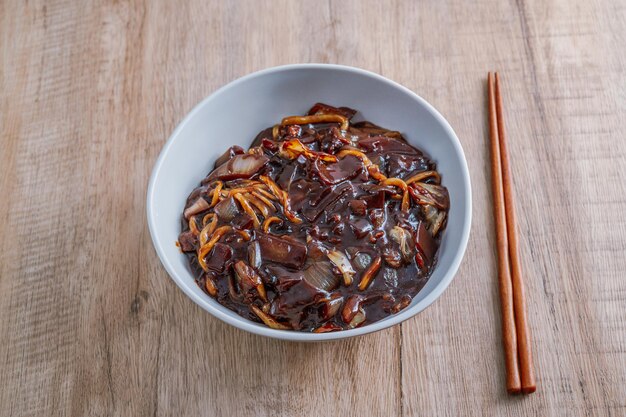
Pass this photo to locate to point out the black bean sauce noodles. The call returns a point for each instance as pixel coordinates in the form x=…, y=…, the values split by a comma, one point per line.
x=324, y=224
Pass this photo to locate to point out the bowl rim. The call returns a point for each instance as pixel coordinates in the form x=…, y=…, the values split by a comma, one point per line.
x=249, y=326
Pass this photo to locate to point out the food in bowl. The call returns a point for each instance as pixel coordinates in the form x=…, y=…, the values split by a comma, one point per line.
x=324, y=224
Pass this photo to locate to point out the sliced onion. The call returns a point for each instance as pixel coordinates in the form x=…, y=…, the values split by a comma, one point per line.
x=358, y=318
x=362, y=260
x=351, y=307
x=327, y=327
x=331, y=306
x=248, y=280
x=370, y=274
x=342, y=262
x=405, y=240
x=439, y=194
x=254, y=254
x=338, y=258
x=209, y=284
x=437, y=223
x=197, y=207
x=230, y=152
x=233, y=291
x=430, y=194
x=434, y=218
x=320, y=275
x=269, y=320
x=246, y=276
x=430, y=213
x=227, y=209
x=240, y=166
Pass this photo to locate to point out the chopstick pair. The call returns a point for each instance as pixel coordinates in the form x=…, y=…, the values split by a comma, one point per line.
x=520, y=377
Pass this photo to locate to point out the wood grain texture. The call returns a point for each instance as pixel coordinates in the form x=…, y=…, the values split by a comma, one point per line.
x=92, y=325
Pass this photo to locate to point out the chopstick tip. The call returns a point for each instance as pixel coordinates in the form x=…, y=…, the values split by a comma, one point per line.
x=514, y=390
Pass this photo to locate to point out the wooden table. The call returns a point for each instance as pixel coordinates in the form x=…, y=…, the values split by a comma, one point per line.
x=90, y=322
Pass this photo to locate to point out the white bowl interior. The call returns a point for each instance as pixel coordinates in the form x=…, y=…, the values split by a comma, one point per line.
x=236, y=113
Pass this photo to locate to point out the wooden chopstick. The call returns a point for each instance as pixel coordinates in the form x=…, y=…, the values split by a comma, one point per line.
x=509, y=332
x=519, y=302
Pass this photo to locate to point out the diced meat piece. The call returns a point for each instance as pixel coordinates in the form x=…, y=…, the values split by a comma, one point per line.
x=321, y=233
x=379, y=160
x=299, y=295
x=358, y=207
x=334, y=218
x=302, y=191
x=345, y=189
x=403, y=166
x=293, y=131
x=344, y=169
x=332, y=141
x=377, y=216
x=338, y=229
x=217, y=259
x=383, y=144
x=360, y=228
x=375, y=201
x=269, y=144
x=187, y=241
x=321, y=108
x=286, y=176
x=288, y=252
x=282, y=278
x=294, y=293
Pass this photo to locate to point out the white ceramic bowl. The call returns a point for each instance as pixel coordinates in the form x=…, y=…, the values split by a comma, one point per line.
x=235, y=113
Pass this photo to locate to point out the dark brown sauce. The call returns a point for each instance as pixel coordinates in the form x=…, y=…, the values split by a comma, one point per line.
x=342, y=208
